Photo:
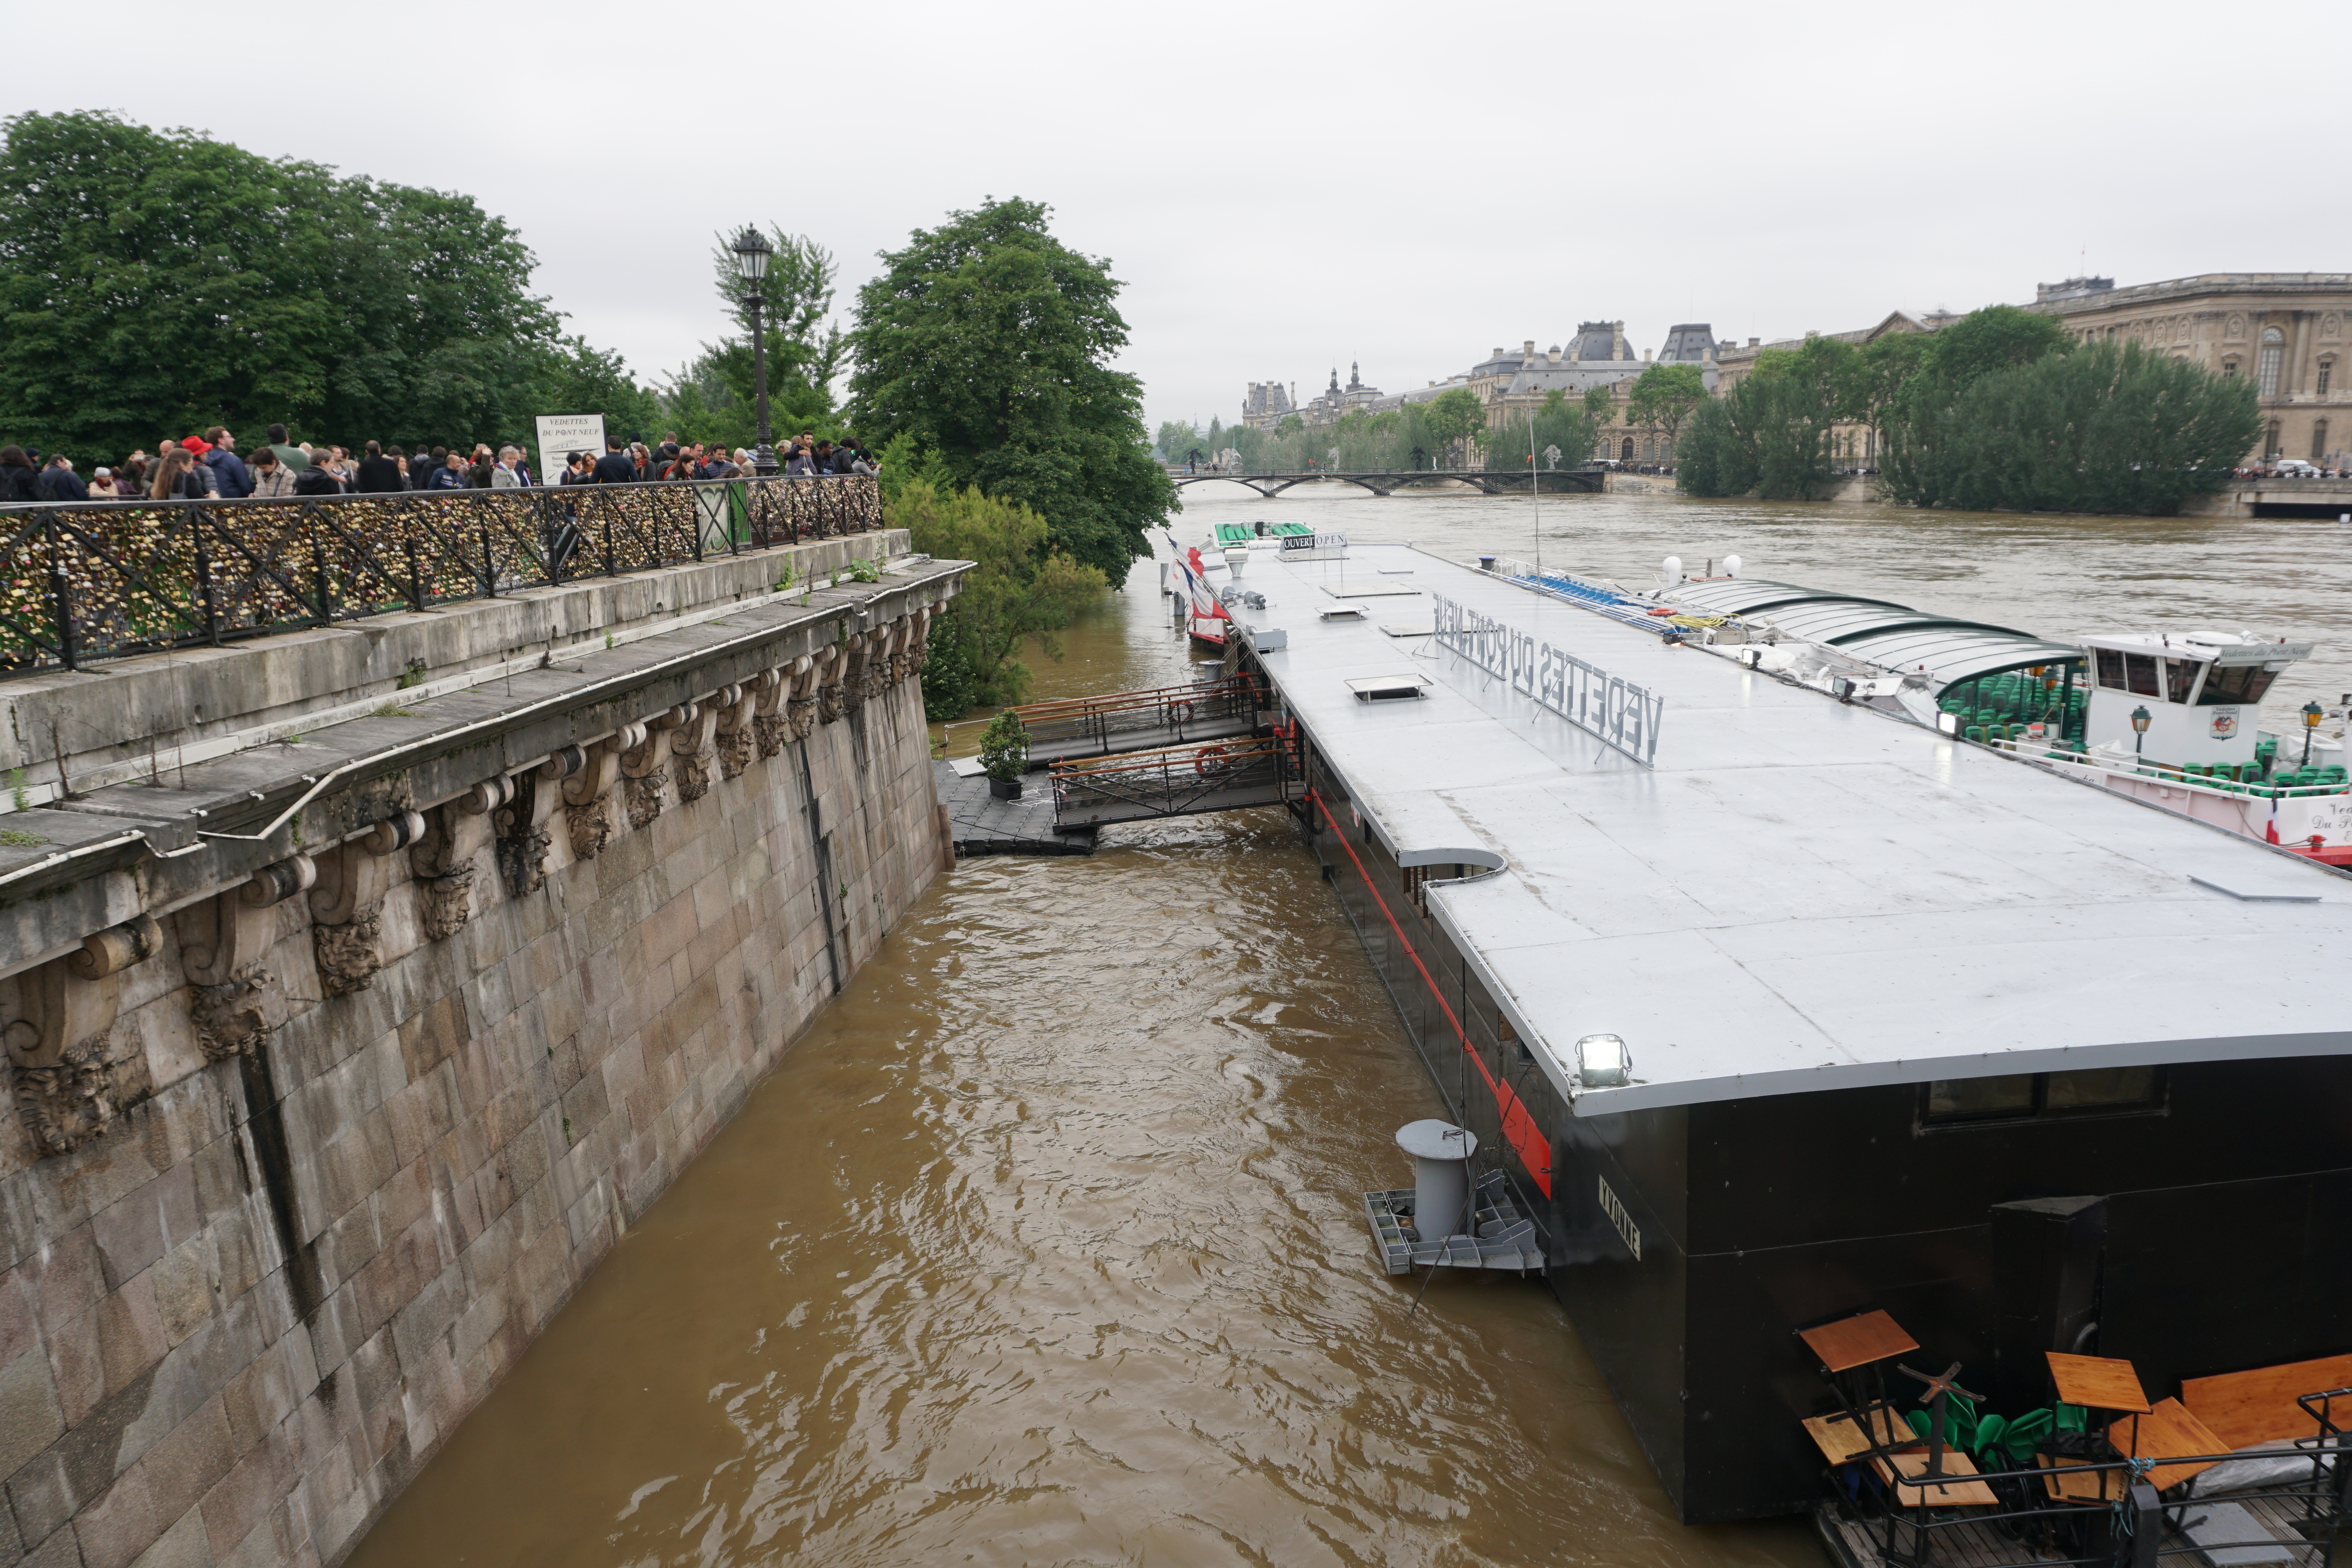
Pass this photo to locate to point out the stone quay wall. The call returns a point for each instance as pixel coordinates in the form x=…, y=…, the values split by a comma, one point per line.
x=340, y=1059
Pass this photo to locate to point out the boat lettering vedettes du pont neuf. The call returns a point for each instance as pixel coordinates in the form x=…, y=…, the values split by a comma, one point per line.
x=1792, y=958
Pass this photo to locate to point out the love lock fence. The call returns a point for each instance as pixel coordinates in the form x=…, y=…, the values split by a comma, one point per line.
x=81, y=582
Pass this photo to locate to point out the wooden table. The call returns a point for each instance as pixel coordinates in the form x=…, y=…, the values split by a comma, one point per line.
x=1842, y=1442
x=1957, y=1493
x=1857, y=1341
x=2170, y=1431
x=2099, y=1381
x=2071, y=1482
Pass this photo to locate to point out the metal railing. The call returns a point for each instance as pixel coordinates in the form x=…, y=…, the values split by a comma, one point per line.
x=1173, y=780
x=1169, y=710
x=81, y=582
x=2098, y=1508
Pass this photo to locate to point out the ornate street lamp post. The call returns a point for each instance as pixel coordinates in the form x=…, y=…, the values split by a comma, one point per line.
x=2140, y=717
x=751, y=256
x=2311, y=713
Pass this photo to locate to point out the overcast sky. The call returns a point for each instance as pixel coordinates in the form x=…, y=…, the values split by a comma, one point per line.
x=1286, y=186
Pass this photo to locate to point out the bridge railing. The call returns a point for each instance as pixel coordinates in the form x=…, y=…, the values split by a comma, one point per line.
x=83, y=581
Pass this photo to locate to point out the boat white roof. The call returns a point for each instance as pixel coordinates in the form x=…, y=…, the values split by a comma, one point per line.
x=1799, y=894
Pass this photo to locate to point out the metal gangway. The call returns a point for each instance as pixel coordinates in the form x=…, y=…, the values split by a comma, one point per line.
x=1176, y=781
x=1142, y=720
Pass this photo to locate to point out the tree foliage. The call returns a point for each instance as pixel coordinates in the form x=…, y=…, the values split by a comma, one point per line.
x=1771, y=432
x=989, y=342
x=713, y=396
x=1664, y=396
x=1573, y=425
x=1020, y=587
x=1451, y=417
x=2105, y=428
x=155, y=282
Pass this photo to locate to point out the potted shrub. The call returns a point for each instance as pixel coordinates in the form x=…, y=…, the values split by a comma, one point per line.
x=1004, y=755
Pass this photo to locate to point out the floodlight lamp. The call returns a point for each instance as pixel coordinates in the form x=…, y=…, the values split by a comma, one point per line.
x=1603, y=1062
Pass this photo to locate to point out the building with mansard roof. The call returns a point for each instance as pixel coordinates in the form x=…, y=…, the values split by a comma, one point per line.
x=2284, y=331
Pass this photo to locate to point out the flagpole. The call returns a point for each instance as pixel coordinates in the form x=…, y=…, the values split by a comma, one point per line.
x=1535, y=478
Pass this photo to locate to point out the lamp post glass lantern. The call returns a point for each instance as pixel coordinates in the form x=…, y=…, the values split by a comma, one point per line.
x=2140, y=717
x=753, y=254
x=2311, y=713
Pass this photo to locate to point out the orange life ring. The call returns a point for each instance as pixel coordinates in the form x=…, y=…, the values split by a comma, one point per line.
x=1211, y=759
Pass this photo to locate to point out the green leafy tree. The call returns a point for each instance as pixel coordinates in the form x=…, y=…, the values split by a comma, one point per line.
x=1179, y=438
x=1663, y=397
x=155, y=282
x=1877, y=375
x=1771, y=432
x=1451, y=417
x=1021, y=588
x=1998, y=337
x=989, y=342
x=2107, y=428
x=1573, y=425
x=714, y=396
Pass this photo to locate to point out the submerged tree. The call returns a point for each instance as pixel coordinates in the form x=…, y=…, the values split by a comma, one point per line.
x=1020, y=589
x=2106, y=428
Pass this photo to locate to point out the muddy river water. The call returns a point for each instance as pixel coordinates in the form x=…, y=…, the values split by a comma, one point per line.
x=1045, y=1244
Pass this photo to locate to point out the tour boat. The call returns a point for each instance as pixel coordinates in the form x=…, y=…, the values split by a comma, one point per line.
x=2167, y=718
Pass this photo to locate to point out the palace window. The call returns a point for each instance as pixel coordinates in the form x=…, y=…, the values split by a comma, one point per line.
x=2230, y=369
x=2327, y=368
x=2270, y=447
x=2319, y=445
x=2273, y=348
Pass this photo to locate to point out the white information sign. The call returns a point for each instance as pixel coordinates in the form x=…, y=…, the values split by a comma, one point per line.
x=562, y=435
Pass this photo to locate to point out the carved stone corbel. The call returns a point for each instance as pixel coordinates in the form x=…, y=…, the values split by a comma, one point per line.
x=689, y=742
x=73, y=1075
x=442, y=860
x=641, y=773
x=735, y=746
x=832, y=662
x=926, y=619
x=520, y=819
x=768, y=693
x=856, y=654
x=222, y=943
x=588, y=794
x=347, y=903
x=800, y=711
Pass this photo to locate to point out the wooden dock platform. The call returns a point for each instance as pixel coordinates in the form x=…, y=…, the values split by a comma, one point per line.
x=985, y=825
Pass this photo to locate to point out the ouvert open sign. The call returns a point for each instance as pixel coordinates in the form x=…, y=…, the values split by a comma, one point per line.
x=1608, y=707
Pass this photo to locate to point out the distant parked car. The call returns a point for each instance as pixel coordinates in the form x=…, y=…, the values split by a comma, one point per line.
x=2296, y=468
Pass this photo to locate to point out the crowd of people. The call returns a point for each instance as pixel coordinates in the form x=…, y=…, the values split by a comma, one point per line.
x=210, y=467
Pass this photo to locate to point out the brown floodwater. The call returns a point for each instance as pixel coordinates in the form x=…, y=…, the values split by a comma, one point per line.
x=1045, y=1244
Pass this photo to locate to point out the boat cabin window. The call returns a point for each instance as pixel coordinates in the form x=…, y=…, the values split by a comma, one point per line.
x=2181, y=678
x=2235, y=683
x=2027, y=1096
x=2134, y=673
